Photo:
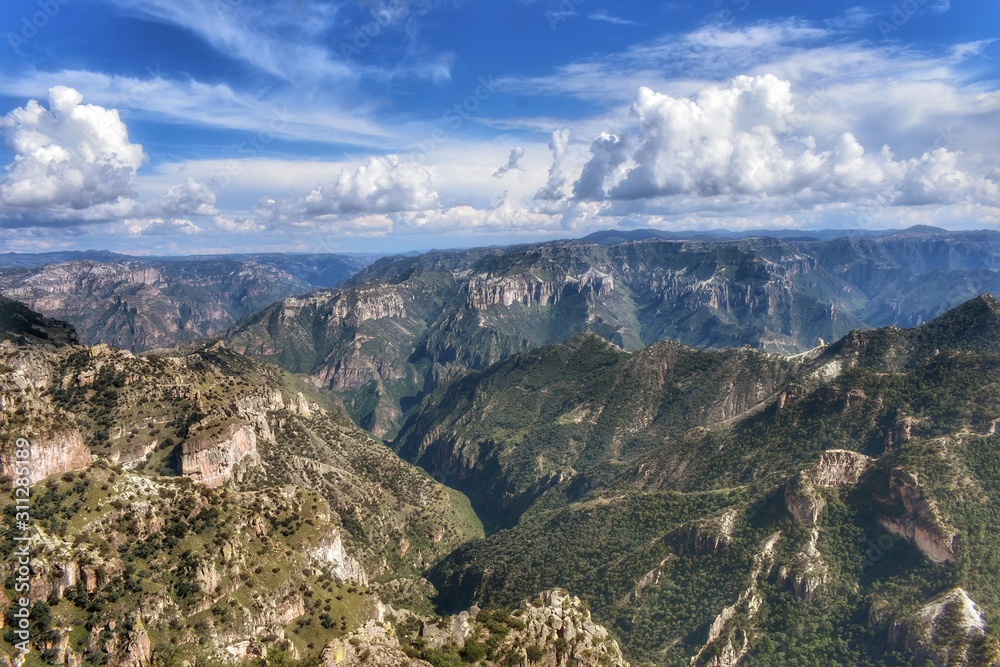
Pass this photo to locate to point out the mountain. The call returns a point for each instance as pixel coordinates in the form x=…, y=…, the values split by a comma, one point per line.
x=30, y=260
x=20, y=323
x=195, y=506
x=616, y=236
x=141, y=303
x=393, y=332
x=724, y=507
x=193, y=495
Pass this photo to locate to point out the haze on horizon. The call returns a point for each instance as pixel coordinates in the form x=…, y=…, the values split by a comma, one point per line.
x=196, y=126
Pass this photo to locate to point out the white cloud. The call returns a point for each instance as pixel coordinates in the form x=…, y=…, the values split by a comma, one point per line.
x=940, y=6
x=279, y=40
x=71, y=161
x=730, y=145
x=513, y=162
x=188, y=198
x=161, y=226
x=605, y=17
x=237, y=224
x=554, y=188
x=382, y=185
x=213, y=105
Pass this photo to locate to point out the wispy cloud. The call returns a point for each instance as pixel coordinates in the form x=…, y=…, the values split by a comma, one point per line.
x=605, y=17
x=280, y=40
x=192, y=102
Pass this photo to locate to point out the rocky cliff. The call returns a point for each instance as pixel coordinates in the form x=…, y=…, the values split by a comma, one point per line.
x=216, y=457
x=445, y=312
x=194, y=504
x=139, y=303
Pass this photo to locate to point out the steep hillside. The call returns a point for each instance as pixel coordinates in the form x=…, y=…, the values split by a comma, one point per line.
x=196, y=504
x=141, y=304
x=724, y=507
x=570, y=414
x=394, y=331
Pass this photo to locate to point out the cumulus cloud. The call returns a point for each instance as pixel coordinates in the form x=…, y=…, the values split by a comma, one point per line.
x=161, y=226
x=553, y=189
x=742, y=141
x=189, y=198
x=72, y=161
x=237, y=224
x=513, y=162
x=382, y=185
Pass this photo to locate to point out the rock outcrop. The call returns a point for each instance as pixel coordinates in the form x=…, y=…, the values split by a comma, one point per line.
x=331, y=555
x=373, y=645
x=807, y=572
x=60, y=452
x=923, y=524
x=836, y=468
x=215, y=459
x=729, y=637
x=948, y=630
x=560, y=628
x=699, y=537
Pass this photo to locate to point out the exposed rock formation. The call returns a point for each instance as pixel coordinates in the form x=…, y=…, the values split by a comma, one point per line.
x=145, y=303
x=729, y=638
x=806, y=573
x=452, y=631
x=213, y=461
x=707, y=535
x=948, y=630
x=836, y=468
x=899, y=433
x=922, y=524
x=374, y=645
x=560, y=626
x=331, y=554
x=50, y=455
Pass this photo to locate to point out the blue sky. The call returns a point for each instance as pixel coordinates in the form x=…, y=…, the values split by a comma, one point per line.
x=183, y=126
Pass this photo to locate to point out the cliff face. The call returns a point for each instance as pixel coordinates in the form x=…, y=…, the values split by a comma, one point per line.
x=948, y=630
x=50, y=455
x=922, y=523
x=213, y=461
x=331, y=555
x=836, y=468
x=141, y=304
x=445, y=312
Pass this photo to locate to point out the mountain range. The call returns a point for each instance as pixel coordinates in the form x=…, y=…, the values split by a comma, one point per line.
x=144, y=303
x=194, y=505
x=394, y=331
x=606, y=452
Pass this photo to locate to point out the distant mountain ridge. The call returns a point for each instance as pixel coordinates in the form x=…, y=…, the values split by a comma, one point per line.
x=395, y=330
x=140, y=303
